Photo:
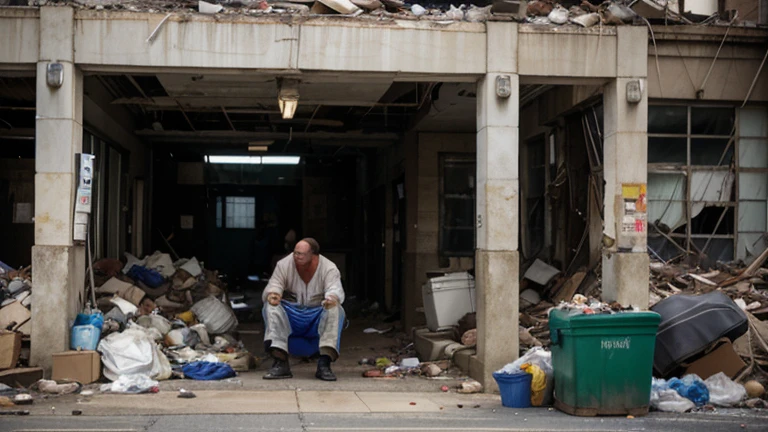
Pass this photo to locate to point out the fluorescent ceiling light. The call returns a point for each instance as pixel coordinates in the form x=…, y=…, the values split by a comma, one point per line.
x=288, y=107
x=258, y=148
x=215, y=159
x=280, y=160
x=287, y=96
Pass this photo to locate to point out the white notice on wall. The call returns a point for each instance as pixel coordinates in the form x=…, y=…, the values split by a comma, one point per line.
x=187, y=222
x=23, y=213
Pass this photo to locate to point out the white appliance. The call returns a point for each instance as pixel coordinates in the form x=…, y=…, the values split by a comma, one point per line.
x=448, y=298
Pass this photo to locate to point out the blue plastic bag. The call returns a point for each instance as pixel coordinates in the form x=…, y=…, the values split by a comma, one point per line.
x=208, y=371
x=146, y=276
x=691, y=387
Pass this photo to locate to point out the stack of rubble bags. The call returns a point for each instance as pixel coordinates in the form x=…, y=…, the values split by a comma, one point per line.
x=187, y=319
x=15, y=298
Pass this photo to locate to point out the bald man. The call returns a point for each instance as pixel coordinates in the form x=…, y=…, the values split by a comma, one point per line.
x=302, y=311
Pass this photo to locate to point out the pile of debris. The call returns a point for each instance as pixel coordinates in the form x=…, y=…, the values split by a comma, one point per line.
x=15, y=298
x=580, y=13
x=170, y=314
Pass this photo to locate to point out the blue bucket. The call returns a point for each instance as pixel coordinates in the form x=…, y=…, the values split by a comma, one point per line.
x=515, y=389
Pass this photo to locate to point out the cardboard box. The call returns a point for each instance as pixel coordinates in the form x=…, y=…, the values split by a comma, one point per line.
x=10, y=347
x=722, y=358
x=21, y=377
x=81, y=366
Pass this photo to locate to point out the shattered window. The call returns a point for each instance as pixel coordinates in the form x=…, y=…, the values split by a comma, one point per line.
x=457, y=205
x=707, y=181
x=691, y=181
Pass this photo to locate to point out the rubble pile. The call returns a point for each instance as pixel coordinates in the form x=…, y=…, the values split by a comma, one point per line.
x=171, y=313
x=15, y=298
x=577, y=13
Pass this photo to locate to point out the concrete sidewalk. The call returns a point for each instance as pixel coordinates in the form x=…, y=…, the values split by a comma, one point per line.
x=259, y=402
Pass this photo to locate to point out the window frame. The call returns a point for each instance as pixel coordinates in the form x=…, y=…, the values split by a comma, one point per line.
x=221, y=220
x=444, y=159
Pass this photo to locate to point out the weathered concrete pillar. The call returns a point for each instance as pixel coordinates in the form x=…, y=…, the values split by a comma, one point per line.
x=58, y=264
x=625, y=256
x=497, y=257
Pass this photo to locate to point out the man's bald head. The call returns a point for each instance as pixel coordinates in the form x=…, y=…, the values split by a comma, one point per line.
x=305, y=251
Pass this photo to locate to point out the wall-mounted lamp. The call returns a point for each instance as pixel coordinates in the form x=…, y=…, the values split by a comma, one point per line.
x=634, y=91
x=503, y=86
x=287, y=96
x=54, y=75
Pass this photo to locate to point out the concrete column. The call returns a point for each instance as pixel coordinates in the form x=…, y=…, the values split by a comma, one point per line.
x=625, y=256
x=497, y=258
x=58, y=264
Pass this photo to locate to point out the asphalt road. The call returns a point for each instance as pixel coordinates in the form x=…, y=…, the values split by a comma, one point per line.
x=469, y=420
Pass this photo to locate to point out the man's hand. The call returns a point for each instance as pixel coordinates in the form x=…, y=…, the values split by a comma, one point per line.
x=330, y=301
x=274, y=299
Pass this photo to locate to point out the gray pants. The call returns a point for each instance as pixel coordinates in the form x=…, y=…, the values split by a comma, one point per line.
x=291, y=328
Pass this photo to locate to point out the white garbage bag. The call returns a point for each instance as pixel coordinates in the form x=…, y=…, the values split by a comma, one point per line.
x=670, y=401
x=723, y=391
x=127, y=353
x=217, y=316
x=133, y=352
x=134, y=383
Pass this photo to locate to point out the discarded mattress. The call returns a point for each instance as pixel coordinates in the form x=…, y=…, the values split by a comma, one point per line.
x=689, y=324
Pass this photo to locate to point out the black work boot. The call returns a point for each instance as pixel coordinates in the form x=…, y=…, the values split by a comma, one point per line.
x=280, y=369
x=324, y=371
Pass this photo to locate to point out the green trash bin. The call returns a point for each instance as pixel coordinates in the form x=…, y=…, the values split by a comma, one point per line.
x=603, y=363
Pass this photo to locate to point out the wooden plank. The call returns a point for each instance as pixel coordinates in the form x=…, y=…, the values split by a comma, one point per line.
x=569, y=288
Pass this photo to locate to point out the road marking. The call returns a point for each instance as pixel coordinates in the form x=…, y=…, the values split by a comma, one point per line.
x=480, y=429
x=78, y=430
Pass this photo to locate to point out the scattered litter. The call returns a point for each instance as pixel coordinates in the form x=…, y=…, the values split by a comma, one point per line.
x=23, y=399
x=131, y=384
x=754, y=389
x=371, y=330
x=470, y=386
x=186, y=394
x=52, y=387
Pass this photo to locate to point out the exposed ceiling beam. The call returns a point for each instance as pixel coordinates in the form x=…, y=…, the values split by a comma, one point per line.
x=193, y=103
x=244, y=137
x=226, y=116
x=17, y=133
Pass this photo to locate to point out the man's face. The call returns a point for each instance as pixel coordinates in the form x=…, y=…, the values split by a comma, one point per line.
x=302, y=254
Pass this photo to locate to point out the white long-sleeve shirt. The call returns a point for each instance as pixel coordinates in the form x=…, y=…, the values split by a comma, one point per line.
x=286, y=281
